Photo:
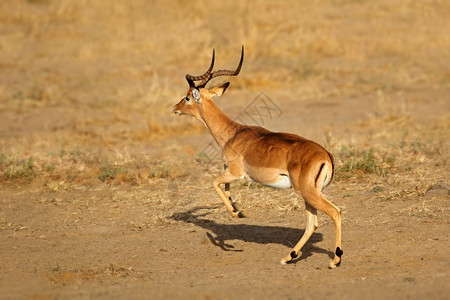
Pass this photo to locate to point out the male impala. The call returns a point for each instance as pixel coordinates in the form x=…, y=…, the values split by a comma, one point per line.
x=279, y=160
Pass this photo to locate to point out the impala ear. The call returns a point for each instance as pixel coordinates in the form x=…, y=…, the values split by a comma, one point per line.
x=219, y=90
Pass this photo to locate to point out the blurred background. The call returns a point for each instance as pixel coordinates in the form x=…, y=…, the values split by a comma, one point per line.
x=100, y=76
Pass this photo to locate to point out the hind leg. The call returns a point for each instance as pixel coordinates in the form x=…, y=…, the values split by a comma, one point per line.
x=335, y=214
x=311, y=226
x=318, y=201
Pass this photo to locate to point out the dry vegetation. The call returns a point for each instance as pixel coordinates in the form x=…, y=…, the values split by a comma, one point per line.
x=86, y=131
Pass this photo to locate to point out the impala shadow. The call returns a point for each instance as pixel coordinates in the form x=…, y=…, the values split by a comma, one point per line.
x=219, y=234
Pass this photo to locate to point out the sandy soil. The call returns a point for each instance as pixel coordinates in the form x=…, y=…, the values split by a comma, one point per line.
x=104, y=194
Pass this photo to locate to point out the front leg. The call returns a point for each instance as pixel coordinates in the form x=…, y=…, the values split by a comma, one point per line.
x=226, y=177
x=227, y=186
x=236, y=206
x=228, y=195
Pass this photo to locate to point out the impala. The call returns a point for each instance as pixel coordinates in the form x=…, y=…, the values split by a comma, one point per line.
x=279, y=160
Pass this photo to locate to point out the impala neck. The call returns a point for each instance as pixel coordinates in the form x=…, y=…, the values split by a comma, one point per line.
x=222, y=128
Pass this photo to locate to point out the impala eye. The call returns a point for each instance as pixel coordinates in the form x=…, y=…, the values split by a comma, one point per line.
x=187, y=98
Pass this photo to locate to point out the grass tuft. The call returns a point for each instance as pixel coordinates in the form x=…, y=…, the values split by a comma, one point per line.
x=24, y=170
x=365, y=162
x=109, y=172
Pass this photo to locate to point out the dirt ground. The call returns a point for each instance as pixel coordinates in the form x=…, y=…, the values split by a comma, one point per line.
x=105, y=194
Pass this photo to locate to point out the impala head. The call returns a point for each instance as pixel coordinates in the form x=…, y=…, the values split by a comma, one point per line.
x=197, y=95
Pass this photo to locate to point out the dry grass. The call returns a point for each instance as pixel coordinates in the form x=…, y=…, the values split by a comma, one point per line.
x=139, y=48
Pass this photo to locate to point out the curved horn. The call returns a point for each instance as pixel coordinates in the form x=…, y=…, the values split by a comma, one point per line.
x=190, y=78
x=223, y=72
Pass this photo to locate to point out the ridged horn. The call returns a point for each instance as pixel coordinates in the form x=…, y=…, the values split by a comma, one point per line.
x=208, y=76
x=190, y=78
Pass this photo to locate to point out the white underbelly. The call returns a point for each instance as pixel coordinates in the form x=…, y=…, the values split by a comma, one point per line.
x=281, y=182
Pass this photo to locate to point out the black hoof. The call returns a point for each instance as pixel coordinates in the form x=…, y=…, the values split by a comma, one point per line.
x=293, y=255
x=339, y=252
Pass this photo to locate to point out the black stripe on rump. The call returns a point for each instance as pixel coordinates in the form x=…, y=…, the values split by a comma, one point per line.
x=318, y=174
